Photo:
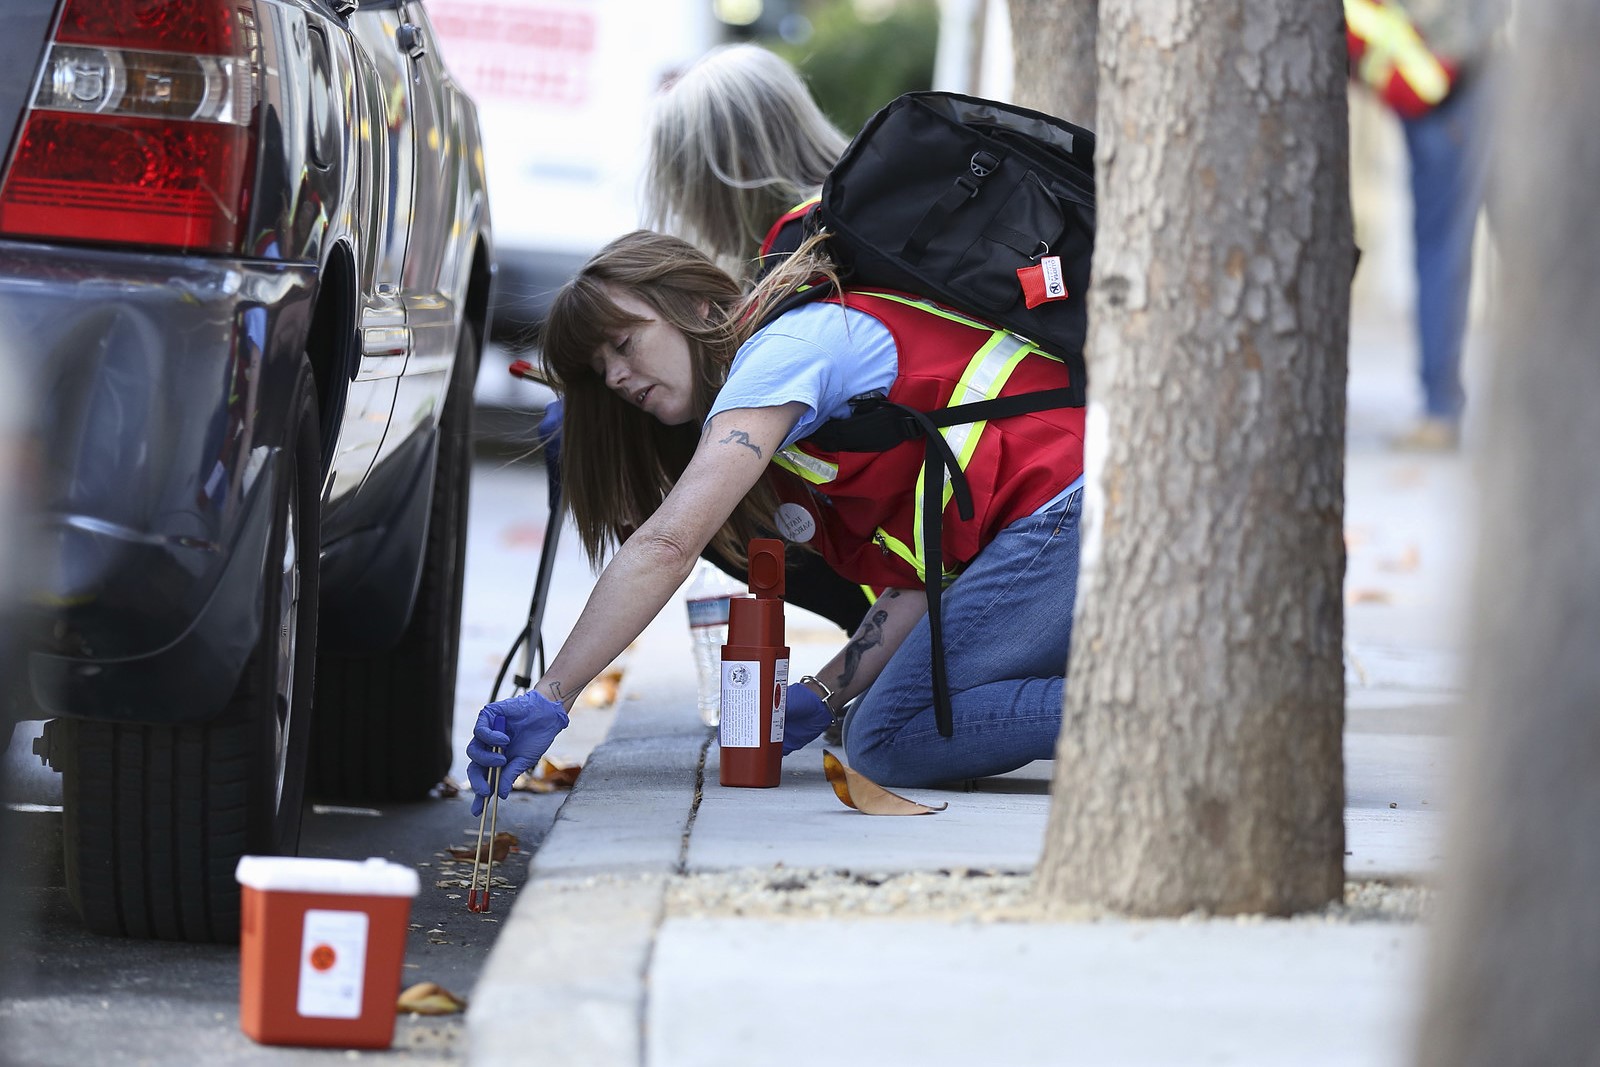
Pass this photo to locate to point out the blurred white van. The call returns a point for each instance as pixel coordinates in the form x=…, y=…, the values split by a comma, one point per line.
x=563, y=90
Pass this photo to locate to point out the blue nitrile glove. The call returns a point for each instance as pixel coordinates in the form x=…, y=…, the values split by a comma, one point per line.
x=806, y=718
x=532, y=722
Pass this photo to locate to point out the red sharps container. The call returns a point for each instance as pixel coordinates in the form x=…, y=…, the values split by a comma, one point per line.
x=755, y=675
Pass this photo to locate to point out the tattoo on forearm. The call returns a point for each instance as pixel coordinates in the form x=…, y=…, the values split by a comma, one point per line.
x=869, y=635
x=555, y=688
x=740, y=437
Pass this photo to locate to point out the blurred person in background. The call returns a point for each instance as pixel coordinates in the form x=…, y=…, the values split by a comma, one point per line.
x=737, y=144
x=1431, y=62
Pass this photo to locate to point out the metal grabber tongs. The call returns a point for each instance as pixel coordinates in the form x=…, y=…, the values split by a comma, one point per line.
x=529, y=640
x=484, y=860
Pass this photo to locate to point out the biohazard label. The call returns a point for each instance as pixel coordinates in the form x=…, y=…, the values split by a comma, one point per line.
x=333, y=964
x=743, y=702
x=780, y=700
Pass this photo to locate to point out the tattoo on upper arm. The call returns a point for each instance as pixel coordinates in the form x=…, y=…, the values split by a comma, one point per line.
x=869, y=635
x=740, y=437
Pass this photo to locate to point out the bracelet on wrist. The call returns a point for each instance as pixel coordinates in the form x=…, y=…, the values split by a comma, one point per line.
x=827, y=693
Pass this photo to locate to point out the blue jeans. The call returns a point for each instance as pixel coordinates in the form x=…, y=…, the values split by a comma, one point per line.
x=1007, y=632
x=1449, y=149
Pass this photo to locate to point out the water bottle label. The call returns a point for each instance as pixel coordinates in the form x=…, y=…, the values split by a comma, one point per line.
x=708, y=611
x=742, y=704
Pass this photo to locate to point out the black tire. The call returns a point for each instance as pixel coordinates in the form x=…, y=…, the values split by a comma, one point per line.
x=383, y=726
x=155, y=818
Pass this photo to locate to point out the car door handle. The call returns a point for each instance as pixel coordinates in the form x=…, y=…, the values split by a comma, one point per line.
x=409, y=38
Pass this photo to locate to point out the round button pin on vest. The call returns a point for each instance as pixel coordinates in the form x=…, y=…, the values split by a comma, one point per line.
x=320, y=947
x=755, y=676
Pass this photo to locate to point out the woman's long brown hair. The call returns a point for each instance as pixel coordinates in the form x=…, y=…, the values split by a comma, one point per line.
x=617, y=462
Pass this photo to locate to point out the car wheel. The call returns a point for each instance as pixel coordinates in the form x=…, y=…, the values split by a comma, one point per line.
x=383, y=729
x=155, y=818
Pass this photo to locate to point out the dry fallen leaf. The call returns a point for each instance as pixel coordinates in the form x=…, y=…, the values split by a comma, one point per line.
x=858, y=791
x=1407, y=561
x=430, y=998
x=447, y=788
x=502, y=846
x=549, y=776
x=1371, y=596
x=602, y=692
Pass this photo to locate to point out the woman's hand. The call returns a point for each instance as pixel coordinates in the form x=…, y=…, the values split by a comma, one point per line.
x=531, y=723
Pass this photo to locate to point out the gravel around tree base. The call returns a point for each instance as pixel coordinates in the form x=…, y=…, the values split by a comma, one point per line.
x=967, y=895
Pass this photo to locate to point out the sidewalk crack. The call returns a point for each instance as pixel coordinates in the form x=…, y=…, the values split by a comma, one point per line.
x=694, y=809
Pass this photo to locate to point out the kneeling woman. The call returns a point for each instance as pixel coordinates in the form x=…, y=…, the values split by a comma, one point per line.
x=688, y=425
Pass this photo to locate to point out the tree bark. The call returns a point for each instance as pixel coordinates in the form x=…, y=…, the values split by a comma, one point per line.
x=1515, y=961
x=1200, y=763
x=1053, y=48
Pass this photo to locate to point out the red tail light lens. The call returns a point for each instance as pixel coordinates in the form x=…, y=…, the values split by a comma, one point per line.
x=127, y=180
x=142, y=127
x=196, y=27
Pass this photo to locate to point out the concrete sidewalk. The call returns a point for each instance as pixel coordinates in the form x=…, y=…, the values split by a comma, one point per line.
x=669, y=921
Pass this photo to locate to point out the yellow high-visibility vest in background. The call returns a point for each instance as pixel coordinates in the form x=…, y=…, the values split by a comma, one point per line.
x=1388, y=54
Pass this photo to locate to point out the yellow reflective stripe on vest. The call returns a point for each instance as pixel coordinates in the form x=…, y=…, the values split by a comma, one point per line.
x=930, y=308
x=889, y=543
x=986, y=375
x=1392, y=43
x=814, y=470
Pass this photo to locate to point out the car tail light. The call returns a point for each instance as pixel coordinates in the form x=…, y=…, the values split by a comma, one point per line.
x=142, y=127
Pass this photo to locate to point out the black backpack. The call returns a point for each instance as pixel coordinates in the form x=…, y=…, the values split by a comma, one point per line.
x=956, y=199
x=948, y=197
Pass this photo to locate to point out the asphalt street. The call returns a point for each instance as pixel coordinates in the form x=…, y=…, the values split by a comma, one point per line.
x=68, y=997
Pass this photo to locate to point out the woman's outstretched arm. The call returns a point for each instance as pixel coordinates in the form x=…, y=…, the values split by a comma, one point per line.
x=733, y=452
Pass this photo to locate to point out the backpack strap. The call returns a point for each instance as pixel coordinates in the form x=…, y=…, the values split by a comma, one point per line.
x=784, y=236
x=788, y=233
x=937, y=218
x=805, y=294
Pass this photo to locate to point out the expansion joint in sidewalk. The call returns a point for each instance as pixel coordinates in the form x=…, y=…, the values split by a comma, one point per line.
x=694, y=809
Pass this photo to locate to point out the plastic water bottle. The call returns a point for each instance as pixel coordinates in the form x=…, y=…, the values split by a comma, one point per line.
x=707, y=599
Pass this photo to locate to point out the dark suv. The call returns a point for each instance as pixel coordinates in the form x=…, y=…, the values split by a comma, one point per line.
x=245, y=259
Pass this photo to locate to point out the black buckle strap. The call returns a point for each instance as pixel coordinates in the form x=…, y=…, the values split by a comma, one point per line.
x=937, y=217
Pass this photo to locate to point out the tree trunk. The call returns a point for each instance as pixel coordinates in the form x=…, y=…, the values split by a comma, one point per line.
x=1052, y=43
x=1200, y=763
x=1516, y=958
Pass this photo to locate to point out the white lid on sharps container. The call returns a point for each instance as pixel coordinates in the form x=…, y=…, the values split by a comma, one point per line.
x=296, y=874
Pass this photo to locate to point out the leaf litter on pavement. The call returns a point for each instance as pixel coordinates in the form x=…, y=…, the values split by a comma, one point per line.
x=549, y=776
x=429, y=998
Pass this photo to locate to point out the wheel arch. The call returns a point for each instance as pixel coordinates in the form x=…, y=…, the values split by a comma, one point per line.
x=480, y=290
x=331, y=342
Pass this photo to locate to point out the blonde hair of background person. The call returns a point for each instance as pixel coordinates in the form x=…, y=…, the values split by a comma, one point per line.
x=735, y=142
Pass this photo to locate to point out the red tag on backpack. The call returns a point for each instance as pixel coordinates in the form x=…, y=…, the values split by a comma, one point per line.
x=1042, y=282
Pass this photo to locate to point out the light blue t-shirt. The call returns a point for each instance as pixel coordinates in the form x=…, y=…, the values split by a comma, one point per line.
x=818, y=354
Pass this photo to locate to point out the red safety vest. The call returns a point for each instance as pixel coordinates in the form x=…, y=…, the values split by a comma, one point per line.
x=867, y=506
x=1389, y=55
